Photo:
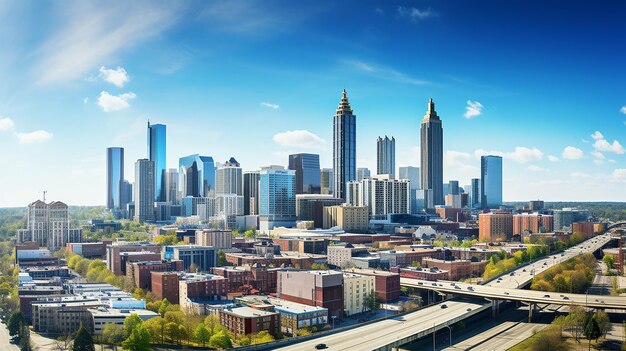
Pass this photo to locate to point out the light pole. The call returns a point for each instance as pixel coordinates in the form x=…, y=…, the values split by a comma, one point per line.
x=434, y=347
x=333, y=318
x=450, y=329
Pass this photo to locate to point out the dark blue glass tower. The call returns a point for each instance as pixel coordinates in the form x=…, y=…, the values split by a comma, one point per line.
x=307, y=167
x=197, y=175
x=344, y=146
x=156, y=153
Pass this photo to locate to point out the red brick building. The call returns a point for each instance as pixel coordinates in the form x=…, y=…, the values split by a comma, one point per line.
x=288, y=259
x=117, y=265
x=456, y=269
x=387, y=284
x=421, y=273
x=250, y=279
x=139, y=272
x=532, y=222
x=584, y=228
x=247, y=320
x=165, y=286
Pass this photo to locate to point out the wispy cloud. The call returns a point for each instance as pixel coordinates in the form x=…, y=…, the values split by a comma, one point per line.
x=117, y=76
x=384, y=73
x=473, y=109
x=270, y=105
x=243, y=17
x=93, y=33
x=6, y=124
x=534, y=168
x=572, y=153
x=553, y=158
x=300, y=139
x=415, y=14
x=597, y=135
x=602, y=145
x=619, y=175
x=623, y=110
x=521, y=154
x=111, y=103
x=38, y=136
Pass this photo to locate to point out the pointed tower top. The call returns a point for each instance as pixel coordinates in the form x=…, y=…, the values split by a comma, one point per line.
x=344, y=106
x=431, y=113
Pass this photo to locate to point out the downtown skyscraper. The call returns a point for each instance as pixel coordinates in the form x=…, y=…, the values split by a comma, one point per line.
x=431, y=142
x=344, y=147
x=156, y=154
x=307, y=167
x=144, y=190
x=491, y=181
x=386, y=156
x=115, y=178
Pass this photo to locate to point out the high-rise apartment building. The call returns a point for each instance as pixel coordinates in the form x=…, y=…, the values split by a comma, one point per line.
x=453, y=187
x=144, y=190
x=532, y=223
x=156, y=154
x=171, y=186
x=327, y=181
x=277, y=203
x=495, y=226
x=48, y=225
x=229, y=178
x=412, y=174
x=386, y=156
x=363, y=173
x=197, y=175
x=491, y=181
x=431, y=141
x=115, y=178
x=307, y=167
x=344, y=147
x=251, y=193
x=381, y=195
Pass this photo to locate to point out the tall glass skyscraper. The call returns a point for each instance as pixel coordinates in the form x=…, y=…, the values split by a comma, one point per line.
x=386, y=156
x=115, y=177
x=363, y=173
x=491, y=181
x=431, y=138
x=144, y=190
x=277, y=203
x=327, y=181
x=156, y=154
x=251, y=193
x=307, y=167
x=474, y=194
x=197, y=175
x=344, y=147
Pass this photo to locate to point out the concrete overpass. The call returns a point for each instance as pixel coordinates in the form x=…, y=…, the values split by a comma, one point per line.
x=391, y=333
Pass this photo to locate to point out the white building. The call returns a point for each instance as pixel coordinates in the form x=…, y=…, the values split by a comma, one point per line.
x=356, y=288
x=381, y=194
x=48, y=225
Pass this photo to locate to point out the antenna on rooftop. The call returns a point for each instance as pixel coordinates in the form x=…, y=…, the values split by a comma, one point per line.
x=44, y=192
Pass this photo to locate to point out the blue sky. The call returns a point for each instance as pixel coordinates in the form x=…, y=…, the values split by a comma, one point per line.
x=530, y=80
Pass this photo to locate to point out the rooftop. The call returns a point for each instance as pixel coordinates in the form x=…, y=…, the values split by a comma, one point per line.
x=248, y=312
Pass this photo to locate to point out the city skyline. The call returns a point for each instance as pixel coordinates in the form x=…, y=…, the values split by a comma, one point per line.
x=557, y=143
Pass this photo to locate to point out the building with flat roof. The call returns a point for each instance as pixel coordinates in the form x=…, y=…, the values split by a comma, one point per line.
x=246, y=320
x=204, y=257
x=114, y=251
x=48, y=225
x=165, y=286
x=313, y=288
x=532, y=223
x=348, y=218
x=386, y=284
x=356, y=289
x=198, y=288
x=457, y=269
x=140, y=272
x=310, y=207
x=495, y=226
x=220, y=239
x=102, y=316
x=341, y=255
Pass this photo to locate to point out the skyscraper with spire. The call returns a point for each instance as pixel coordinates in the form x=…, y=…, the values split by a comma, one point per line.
x=344, y=146
x=431, y=137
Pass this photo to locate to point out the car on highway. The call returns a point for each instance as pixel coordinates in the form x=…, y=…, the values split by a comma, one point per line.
x=444, y=306
x=470, y=288
x=565, y=298
x=321, y=346
x=546, y=295
x=506, y=293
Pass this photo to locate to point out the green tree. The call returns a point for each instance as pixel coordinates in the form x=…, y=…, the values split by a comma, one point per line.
x=609, y=261
x=221, y=340
x=193, y=268
x=113, y=334
x=603, y=322
x=221, y=258
x=83, y=341
x=165, y=305
x=201, y=334
x=16, y=319
x=592, y=330
x=130, y=323
x=25, y=338
x=139, y=340
x=250, y=233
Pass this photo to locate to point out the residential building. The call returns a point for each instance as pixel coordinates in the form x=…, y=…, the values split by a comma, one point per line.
x=349, y=218
x=277, y=203
x=307, y=168
x=248, y=278
x=144, y=190
x=140, y=272
x=157, y=155
x=491, y=181
x=327, y=181
x=535, y=205
x=48, y=225
x=197, y=176
x=532, y=223
x=386, y=284
x=247, y=320
x=171, y=186
x=220, y=239
x=198, y=288
x=114, y=252
x=584, y=228
x=293, y=315
x=495, y=226
x=356, y=288
x=412, y=174
x=386, y=156
x=227, y=208
x=363, y=173
x=341, y=255
x=251, y=193
x=564, y=218
x=431, y=141
x=229, y=178
x=165, y=286
x=381, y=195
x=313, y=288
x=204, y=257
x=344, y=147
x=457, y=269
x=127, y=258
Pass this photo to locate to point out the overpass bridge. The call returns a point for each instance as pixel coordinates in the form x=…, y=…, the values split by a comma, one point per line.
x=394, y=332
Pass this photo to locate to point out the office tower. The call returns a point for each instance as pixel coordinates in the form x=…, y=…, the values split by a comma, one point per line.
x=535, y=205
x=386, y=156
x=474, y=193
x=363, y=173
x=156, y=154
x=412, y=174
x=127, y=196
x=227, y=208
x=453, y=187
x=277, y=203
x=144, y=190
x=197, y=175
x=251, y=193
x=171, y=186
x=48, y=225
x=310, y=207
x=115, y=177
x=382, y=195
x=564, y=218
x=327, y=181
x=229, y=178
x=431, y=141
x=344, y=147
x=307, y=167
x=491, y=181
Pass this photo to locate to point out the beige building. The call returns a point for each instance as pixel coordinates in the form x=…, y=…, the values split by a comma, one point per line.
x=356, y=288
x=348, y=218
x=220, y=239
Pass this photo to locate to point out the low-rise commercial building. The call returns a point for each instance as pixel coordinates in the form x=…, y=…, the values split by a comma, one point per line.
x=313, y=288
x=386, y=284
x=114, y=251
x=140, y=272
x=204, y=257
x=102, y=316
x=432, y=274
x=89, y=250
x=284, y=259
x=457, y=269
x=341, y=255
x=346, y=217
x=246, y=320
x=220, y=239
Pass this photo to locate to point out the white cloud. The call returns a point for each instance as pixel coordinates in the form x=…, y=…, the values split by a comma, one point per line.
x=597, y=155
x=534, y=168
x=299, y=138
x=473, y=109
x=91, y=34
x=623, y=110
x=597, y=135
x=553, y=158
x=110, y=102
x=270, y=105
x=612, y=161
x=572, y=153
x=6, y=124
x=384, y=73
x=415, y=14
x=456, y=158
x=619, y=175
x=580, y=175
x=603, y=145
x=38, y=136
x=598, y=161
x=86, y=100
x=117, y=76
x=521, y=154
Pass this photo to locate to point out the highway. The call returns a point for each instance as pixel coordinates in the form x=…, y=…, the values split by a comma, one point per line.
x=396, y=331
